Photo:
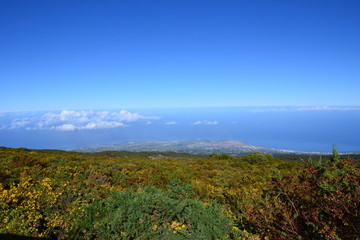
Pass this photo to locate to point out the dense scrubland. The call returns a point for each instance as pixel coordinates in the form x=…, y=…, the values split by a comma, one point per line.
x=122, y=195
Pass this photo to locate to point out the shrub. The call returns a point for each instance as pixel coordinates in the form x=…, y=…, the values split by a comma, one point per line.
x=322, y=202
x=221, y=157
x=153, y=214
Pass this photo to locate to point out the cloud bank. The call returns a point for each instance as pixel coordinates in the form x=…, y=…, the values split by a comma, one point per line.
x=206, y=122
x=77, y=120
x=326, y=108
x=171, y=123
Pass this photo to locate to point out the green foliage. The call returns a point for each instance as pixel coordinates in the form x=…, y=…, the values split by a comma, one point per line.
x=255, y=157
x=335, y=155
x=153, y=214
x=221, y=157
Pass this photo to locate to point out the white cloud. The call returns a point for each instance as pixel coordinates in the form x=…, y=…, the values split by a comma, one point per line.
x=90, y=126
x=66, y=127
x=171, y=123
x=277, y=109
x=19, y=123
x=205, y=122
x=327, y=108
x=78, y=120
x=128, y=116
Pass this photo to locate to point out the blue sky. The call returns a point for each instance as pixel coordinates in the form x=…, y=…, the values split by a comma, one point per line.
x=65, y=55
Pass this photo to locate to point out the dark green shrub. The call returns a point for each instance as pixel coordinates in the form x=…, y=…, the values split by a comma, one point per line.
x=221, y=157
x=153, y=214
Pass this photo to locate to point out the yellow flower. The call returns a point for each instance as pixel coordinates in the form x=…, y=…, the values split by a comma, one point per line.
x=206, y=204
x=174, y=224
x=235, y=228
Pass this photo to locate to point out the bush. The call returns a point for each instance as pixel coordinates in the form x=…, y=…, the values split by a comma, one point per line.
x=153, y=214
x=321, y=202
x=221, y=157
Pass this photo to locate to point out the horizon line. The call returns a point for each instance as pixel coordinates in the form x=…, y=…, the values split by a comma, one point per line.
x=323, y=107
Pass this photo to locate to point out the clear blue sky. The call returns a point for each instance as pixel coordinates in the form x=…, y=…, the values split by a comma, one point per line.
x=77, y=54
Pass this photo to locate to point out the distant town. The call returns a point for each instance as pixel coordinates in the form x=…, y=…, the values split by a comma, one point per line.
x=197, y=147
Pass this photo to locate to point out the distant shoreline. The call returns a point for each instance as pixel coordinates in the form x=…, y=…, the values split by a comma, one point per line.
x=198, y=147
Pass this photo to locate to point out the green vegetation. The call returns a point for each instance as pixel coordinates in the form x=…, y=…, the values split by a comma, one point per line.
x=325, y=158
x=153, y=214
x=120, y=195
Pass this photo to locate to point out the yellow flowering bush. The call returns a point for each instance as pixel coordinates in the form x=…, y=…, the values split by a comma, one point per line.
x=49, y=193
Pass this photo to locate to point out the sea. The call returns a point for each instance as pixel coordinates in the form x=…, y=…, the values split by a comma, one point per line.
x=291, y=128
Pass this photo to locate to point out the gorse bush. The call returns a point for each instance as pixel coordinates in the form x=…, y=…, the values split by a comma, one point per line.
x=39, y=208
x=319, y=202
x=151, y=213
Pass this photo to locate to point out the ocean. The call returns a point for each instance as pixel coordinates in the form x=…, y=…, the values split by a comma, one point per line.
x=292, y=128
